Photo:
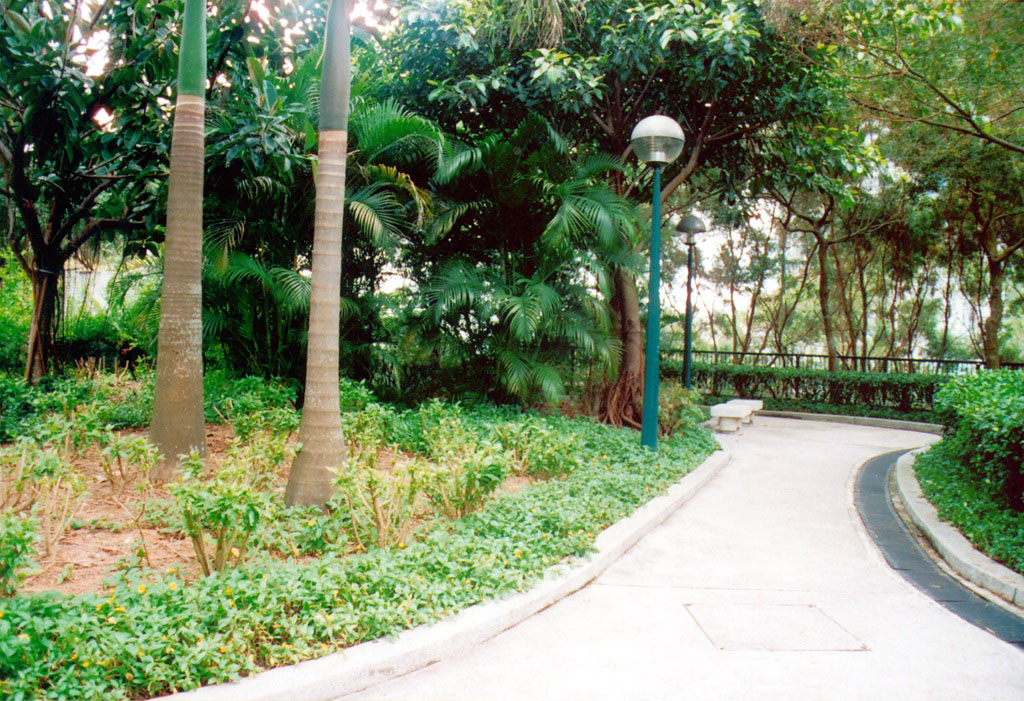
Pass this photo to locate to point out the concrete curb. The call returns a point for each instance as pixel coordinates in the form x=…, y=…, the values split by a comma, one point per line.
x=371, y=663
x=954, y=548
x=920, y=426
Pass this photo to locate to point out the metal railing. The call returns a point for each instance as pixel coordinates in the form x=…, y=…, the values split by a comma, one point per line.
x=814, y=361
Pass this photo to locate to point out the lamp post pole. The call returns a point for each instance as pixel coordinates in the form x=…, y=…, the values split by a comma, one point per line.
x=690, y=225
x=656, y=140
x=649, y=417
x=688, y=338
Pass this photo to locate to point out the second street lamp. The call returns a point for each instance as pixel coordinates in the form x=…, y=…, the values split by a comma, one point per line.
x=689, y=225
x=657, y=141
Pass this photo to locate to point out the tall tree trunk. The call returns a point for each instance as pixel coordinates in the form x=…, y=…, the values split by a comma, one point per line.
x=824, y=300
x=178, y=427
x=45, y=277
x=312, y=476
x=993, y=323
x=622, y=400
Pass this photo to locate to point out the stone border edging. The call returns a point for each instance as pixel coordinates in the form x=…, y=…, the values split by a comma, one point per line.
x=954, y=548
x=367, y=664
x=877, y=422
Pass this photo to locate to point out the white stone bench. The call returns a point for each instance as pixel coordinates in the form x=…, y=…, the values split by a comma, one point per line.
x=729, y=416
x=751, y=404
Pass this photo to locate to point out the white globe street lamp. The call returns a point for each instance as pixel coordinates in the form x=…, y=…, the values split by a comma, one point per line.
x=657, y=141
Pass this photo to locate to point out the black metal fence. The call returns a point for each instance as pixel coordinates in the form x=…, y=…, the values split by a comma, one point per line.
x=812, y=361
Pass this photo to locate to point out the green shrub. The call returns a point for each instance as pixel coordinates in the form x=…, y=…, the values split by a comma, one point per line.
x=977, y=507
x=984, y=415
x=227, y=508
x=226, y=396
x=678, y=408
x=15, y=406
x=13, y=344
x=17, y=546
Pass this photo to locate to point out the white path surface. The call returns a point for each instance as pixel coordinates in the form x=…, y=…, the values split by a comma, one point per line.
x=764, y=586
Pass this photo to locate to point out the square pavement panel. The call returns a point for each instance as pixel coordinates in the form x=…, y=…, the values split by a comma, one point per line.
x=772, y=627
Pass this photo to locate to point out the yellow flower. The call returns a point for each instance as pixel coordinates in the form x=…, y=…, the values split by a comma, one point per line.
x=401, y=545
x=142, y=588
x=168, y=650
x=1, y=613
x=330, y=618
x=310, y=522
x=222, y=649
x=227, y=591
x=85, y=663
x=231, y=602
x=170, y=570
x=22, y=636
x=173, y=585
x=120, y=609
x=518, y=553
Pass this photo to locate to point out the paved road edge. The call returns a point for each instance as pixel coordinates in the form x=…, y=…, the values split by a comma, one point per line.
x=365, y=665
x=954, y=548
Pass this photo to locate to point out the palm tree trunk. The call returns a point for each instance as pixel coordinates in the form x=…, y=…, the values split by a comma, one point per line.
x=178, y=427
x=312, y=476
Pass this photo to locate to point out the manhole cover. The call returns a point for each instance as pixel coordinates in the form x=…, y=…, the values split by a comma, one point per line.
x=771, y=627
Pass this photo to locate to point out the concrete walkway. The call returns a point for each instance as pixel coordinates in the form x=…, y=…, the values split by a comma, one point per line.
x=764, y=586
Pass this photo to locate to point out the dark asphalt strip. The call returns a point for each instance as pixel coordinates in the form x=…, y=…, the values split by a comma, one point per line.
x=903, y=553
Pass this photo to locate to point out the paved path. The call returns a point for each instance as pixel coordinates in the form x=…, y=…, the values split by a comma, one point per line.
x=764, y=586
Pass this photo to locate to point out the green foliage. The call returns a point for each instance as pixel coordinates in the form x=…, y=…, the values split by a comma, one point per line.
x=678, y=408
x=975, y=505
x=537, y=447
x=984, y=415
x=15, y=314
x=126, y=459
x=227, y=396
x=17, y=546
x=72, y=410
x=889, y=391
x=159, y=634
x=228, y=508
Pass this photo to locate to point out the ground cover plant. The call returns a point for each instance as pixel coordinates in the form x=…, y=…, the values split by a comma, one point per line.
x=438, y=508
x=975, y=475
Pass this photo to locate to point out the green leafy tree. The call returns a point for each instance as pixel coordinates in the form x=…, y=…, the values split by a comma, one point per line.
x=717, y=67
x=81, y=138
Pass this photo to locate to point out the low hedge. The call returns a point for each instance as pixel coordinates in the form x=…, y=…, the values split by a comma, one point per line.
x=894, y=392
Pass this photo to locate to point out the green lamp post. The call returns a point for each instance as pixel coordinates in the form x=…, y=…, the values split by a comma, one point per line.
x=657, y=141
x=690, y=225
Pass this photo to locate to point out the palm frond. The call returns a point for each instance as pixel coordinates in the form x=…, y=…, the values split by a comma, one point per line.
x=377, y=213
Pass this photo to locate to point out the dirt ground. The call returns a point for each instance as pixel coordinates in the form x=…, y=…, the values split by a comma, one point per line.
x=86, y=556
x=111, y=528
